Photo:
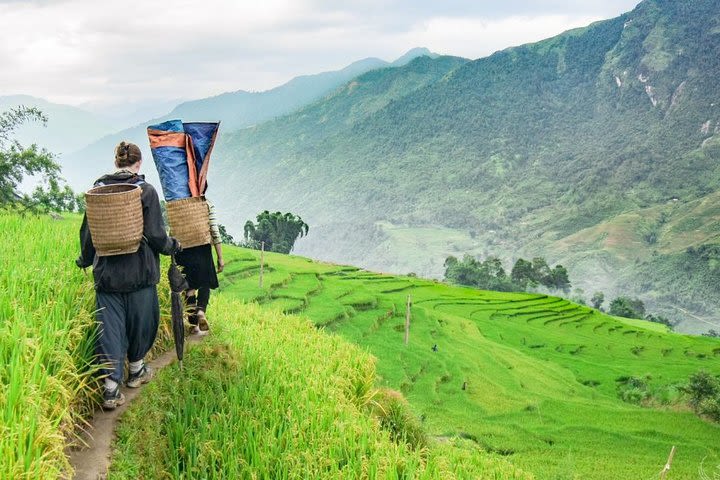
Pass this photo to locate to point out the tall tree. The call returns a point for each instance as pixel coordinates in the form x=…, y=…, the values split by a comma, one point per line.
x=18, y=162
x=559, y=279
x=225, y=236
x=541, y=272
x=627, y=307
x=522, y=274
x=597, y=300
x=279, y=231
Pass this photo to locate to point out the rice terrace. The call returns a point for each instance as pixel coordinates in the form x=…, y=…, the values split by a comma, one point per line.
x=360, y=240
x=516, y=382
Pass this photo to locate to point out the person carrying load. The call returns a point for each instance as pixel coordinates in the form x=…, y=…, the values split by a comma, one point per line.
x=181, y=151
x=126, y=277
x=199, y=269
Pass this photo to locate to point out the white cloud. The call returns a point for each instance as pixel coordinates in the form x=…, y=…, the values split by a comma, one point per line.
x=85, y=50
x=478, y=37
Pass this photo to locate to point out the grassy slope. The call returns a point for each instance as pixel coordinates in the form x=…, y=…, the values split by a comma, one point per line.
x=541, y=372
x=270, y=397
x=45, y=308
x=525, y=359
x=46, y=345
x=46, y=386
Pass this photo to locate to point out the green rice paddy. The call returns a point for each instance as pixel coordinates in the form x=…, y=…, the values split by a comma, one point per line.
x=500, y=383
x=541, y=374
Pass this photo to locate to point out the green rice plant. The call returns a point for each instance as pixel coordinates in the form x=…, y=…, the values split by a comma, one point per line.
x=46, y=339
x=268, y=396
x=393, y=411
x=47, y=373
x=496, y=353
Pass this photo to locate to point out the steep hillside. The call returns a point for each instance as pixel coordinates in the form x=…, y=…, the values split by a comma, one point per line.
x=268, y=396
x=535, y=378
x=230, y=413
x=235, y=109
x=267, y=146
x=515, y=153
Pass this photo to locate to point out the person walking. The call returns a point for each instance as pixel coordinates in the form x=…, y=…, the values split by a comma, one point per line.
x=128, y=312
x=199, y=270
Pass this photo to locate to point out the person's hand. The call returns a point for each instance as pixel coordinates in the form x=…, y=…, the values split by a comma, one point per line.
x=220, y=265
x=178, y=246
x=80, y=265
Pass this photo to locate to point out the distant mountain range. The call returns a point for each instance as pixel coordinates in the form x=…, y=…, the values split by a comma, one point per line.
x=235, y=109
x=68, y=128
x=598, y=148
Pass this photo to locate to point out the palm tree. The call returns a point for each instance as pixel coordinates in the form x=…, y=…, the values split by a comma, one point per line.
x=278, y=230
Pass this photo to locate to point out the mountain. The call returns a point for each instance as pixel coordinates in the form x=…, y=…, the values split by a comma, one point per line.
x=240, y=109
x=598, y=148
x=235, y=109
x=411, y=55
x=67, y=129
x=124, y=113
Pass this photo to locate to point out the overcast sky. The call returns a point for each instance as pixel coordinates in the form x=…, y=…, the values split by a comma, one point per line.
x=134, y=50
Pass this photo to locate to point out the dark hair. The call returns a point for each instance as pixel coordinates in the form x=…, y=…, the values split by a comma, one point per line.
x=127, y=154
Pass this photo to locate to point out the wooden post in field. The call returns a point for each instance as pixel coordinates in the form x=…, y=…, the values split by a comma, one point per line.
x=262, y=262
x=407, y=319
x=666, y=469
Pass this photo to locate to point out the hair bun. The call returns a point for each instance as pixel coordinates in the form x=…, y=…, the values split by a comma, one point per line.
x=126, y=154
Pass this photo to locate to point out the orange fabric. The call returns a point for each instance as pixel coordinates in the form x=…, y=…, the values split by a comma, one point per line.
x=159, y=138
x=192, y=170
x=202, y=175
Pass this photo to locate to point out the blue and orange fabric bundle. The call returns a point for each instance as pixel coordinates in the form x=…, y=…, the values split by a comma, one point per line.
x=182, y=156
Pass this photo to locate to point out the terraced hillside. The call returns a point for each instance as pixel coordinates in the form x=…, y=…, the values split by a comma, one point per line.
x=532, y=377
x=596, y=149
x=251, y=402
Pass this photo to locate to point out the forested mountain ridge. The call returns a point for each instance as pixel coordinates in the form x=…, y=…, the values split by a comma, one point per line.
x=516, y=153
x=237, y=109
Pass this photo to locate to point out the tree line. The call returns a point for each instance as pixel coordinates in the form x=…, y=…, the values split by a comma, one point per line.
x=489, y=274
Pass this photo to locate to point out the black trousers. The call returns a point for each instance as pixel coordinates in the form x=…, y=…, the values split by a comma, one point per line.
x=128, y=324
x=196, y=302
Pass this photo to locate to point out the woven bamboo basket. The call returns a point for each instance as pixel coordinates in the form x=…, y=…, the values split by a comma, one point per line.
x=189, y=221
x=115, y=217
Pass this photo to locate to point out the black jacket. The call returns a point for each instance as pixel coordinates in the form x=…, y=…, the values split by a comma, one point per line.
x=132, y=271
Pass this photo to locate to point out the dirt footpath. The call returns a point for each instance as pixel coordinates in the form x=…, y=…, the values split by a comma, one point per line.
x=92, y=462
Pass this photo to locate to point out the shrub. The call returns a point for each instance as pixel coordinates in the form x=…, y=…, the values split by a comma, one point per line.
x=393, y=412
x=633, y=390
x=704, y=391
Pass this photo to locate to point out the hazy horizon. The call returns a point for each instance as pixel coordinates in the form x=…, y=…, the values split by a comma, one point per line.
x=101, y=55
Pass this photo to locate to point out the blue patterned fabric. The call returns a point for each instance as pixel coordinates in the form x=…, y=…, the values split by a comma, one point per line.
x=203, y=136
x=167, y=145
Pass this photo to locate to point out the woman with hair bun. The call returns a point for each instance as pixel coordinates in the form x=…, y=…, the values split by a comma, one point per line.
x=128, y=312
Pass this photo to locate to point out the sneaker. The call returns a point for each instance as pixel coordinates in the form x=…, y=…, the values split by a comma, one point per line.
x=202, y=321
x=138, y=378
x=113, y=398
x=194, y=330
